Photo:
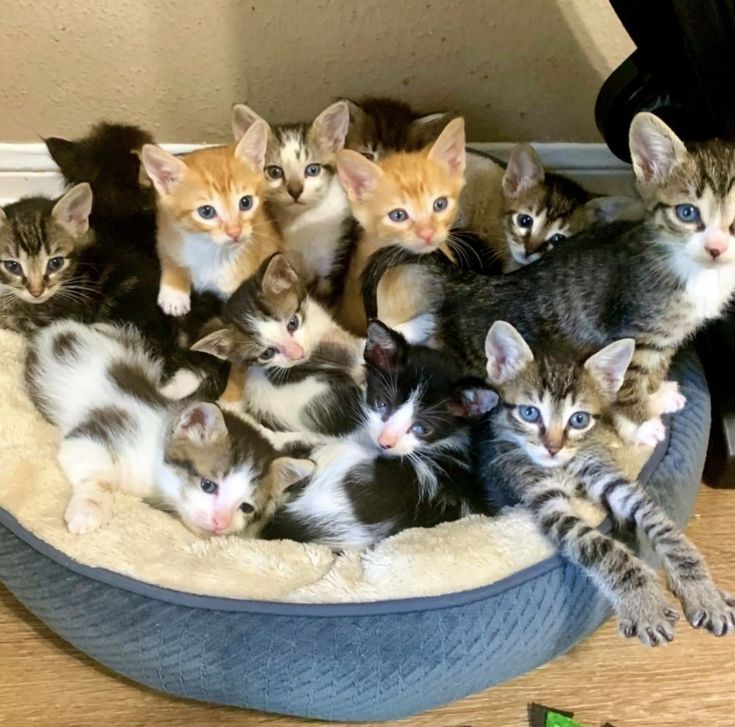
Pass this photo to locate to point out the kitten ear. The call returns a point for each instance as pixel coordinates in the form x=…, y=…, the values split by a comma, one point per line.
x=330, y=127
x=252, y=147
x=449, y=147
x=164, y=169
x=287, y=471
x=524, y=170
x=357, y=115
x=201, y=423
x=473, y=401
x=279, y=276
x=601, y=210
x=3, y=217
x=654, y=148
x=507, y=353
x=73, y=209
x=384, y=348
x=357, y=174
x=609, y=365
x=243, y=117
x=219, y=343
x=62, y=151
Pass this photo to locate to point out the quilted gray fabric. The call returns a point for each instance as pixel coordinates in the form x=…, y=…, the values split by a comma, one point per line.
x=342, y=662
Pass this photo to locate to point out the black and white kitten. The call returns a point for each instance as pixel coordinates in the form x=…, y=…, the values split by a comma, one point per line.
x=408, y=465
x=300, y=370
x=550, y=440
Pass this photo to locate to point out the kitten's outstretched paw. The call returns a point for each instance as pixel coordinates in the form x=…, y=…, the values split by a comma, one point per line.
x=709, y=608
x=648, y=616
x=85, y=516
x=174, y=302
x=668, y=399
x=650, y=433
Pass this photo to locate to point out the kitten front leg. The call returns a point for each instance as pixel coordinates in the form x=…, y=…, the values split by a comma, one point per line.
x=231, y=398
x=667, y=399
x=629, y=584
x=174, y=294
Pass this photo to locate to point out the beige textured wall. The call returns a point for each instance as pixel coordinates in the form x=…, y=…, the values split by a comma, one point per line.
x=518, y=69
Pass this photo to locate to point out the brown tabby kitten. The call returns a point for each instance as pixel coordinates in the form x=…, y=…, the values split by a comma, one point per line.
x=549, y=439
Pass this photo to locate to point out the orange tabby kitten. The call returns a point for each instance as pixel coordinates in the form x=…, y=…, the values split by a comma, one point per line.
x=409, y=199
x=213, y=231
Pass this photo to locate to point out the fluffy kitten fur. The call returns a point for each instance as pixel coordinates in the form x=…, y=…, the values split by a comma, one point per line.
x=100, y=386
x=549, y=440
x=301, y=370
x=305, y=196
x=382, y=126
x=656, y=281
x=213, y=231
x=407, y=466
x=410, y=199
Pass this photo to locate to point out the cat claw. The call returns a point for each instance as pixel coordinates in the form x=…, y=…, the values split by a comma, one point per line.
x=174, y=302
x=650, y=433
x=708, y=608
x=85, y=516
x=668, y=399
x=651, y=620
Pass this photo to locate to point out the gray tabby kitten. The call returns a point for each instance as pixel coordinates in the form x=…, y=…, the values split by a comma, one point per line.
x=657, y=281
x=100, y=385
x=305, y=196
x=550, y=439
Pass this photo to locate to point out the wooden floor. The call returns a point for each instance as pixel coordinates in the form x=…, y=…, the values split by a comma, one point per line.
x=43, y=681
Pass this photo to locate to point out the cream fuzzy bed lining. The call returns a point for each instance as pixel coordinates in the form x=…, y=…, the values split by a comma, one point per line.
x=153, y=547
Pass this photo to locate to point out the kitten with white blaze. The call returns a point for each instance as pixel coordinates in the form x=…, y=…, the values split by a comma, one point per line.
x=550, y=440
x=408, y=465
x=300, y=370
x=305, y=196
x=100, y=385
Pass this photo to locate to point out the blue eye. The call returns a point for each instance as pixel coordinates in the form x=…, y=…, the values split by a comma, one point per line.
x=208, y=486
x=579, y=420
x=247, y=508
x=558, y=237
x=246, y=202
x=55, y=264
x=293, y=324
x=274, y=172
x=12, y=266
x=440, y=204
x=418, y=429
x=398, y=215
x=268, y=354
x=525, y=221
x=382, y=407
x=206, y=211
x=687, y=213
x=313, y=170
x=528, y=413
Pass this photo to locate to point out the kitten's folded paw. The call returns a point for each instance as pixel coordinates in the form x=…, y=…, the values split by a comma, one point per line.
x=707, y=607
x=647, y=615
x=650, y=433
x=85, y=516
x=174, y=302
x=668, y=399
x=182, y=384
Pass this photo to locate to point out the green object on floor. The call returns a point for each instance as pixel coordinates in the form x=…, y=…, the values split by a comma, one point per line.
x=553, y=719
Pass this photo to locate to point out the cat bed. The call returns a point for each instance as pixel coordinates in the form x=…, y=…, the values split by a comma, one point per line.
x=421, y=619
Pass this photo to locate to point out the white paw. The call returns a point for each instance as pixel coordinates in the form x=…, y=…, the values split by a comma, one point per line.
x=182, y=384
x=668, y=399
x=84, y=516
x=174, y=302
x=650, y=433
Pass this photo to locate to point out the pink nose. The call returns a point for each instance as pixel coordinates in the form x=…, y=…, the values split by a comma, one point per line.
x=234, y=233
x=293, y=351
x=221, y=521
x=716, y=243
x=387, y=441
x=426, y=234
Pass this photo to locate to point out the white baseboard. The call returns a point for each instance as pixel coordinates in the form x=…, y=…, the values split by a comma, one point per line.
x=27, y=169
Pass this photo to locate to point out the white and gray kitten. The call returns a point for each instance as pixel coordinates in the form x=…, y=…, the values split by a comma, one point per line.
x=100, y=386
x=305, y=196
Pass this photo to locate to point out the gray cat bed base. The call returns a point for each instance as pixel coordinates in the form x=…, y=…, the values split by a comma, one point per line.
x=349, y=662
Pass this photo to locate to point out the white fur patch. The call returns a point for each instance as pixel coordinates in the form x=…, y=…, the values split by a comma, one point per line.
x=173, y=302
x=182, y=384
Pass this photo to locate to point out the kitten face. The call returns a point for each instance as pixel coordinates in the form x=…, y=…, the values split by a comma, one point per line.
x=541, y=209
x=216, y=192
x=688, y=193
x=266, y=320
x=409, y=199
x=550, y=402
x=299, y=165
x=40, y=242
x=414, y=401
x=228, y=477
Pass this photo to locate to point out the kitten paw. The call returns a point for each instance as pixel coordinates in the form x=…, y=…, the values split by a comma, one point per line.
x=668, y=399
x=650, y=433
x=648, y=616
x=174, y=302
x=85, y=516
x=707, y=607
x=182, y=384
